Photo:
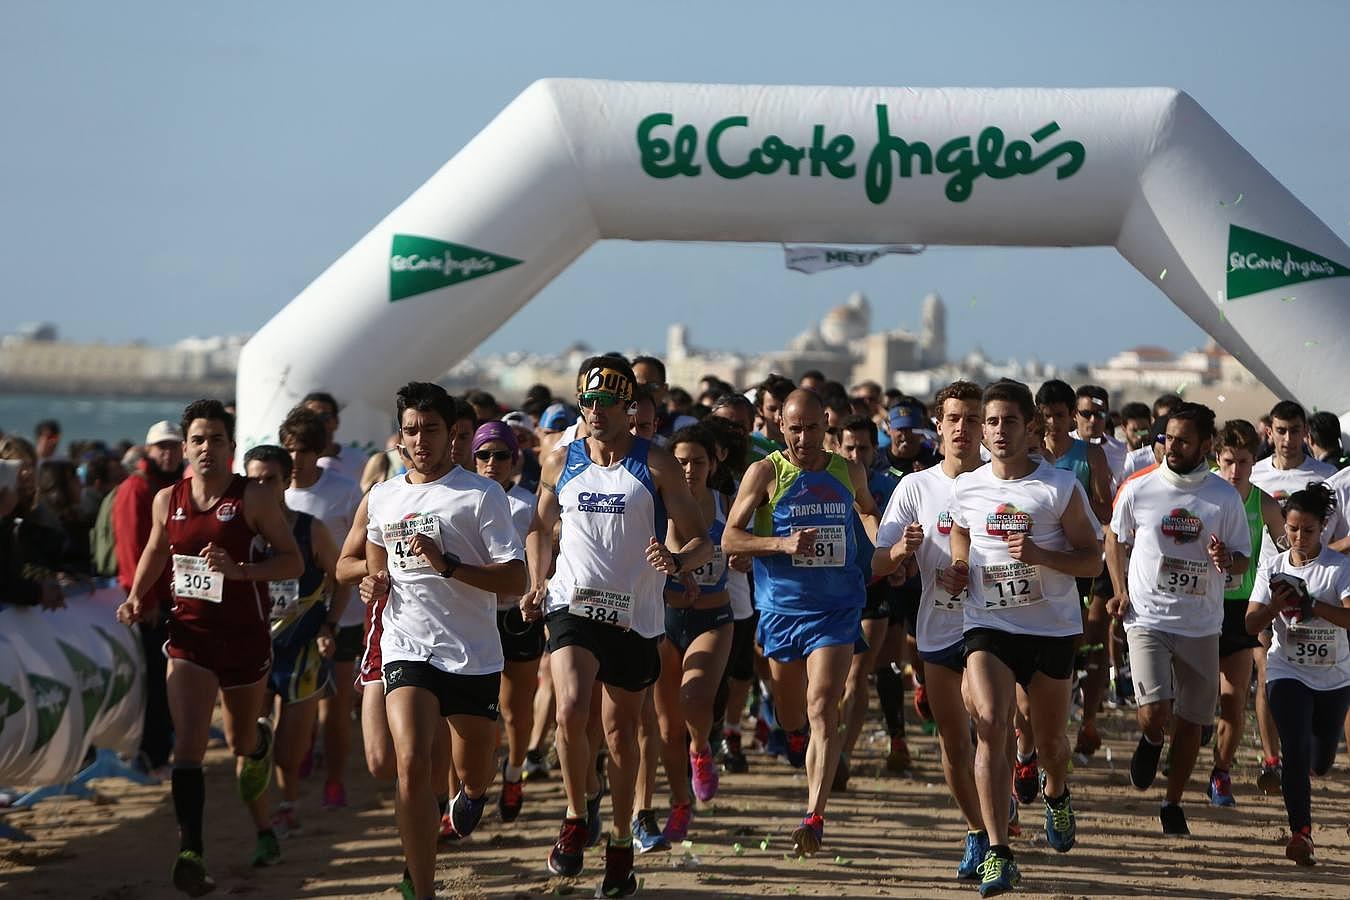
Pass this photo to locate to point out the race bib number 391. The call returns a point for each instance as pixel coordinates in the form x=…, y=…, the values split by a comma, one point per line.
x=398, y=538
x=830, y=549
x=610, y=607
x=1011, y=584
x=192, y=579
x=1183, y=577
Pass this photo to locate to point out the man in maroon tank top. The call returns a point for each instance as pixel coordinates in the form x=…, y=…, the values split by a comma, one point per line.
x=212, y=528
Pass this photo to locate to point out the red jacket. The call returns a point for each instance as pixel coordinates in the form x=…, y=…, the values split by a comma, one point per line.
x=131, y=519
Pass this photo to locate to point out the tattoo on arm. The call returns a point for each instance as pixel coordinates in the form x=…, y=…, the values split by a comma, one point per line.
x=549, y=486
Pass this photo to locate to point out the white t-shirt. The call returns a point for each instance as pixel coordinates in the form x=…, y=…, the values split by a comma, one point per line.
x=428, y=618
x=1340, y=483
x=522, y=504
x=1315, y=652
x=1005, y=594
x=1280, y=483
x=349, y=463
x=333, y=501
x=1137, y=461
x=1114, y=451
x=738, y=587
x=1173, y=584
x=922, y=497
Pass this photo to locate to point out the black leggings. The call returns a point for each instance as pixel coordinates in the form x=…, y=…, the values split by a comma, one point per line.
x=1309, y=723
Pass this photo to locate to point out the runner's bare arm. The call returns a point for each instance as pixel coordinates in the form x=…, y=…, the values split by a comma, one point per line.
x=351, y=565
x=754, y=493
x=1099, y=479
x=864, y=502
x=685, y=519
x=151, y=564
x=1273, y=517
x=539, y=540
x=1118, y=565
x=265, y=516
x=326, y=555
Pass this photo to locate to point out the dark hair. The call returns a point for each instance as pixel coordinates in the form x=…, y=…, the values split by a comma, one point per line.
x=1095, y=392
x=862, y=425
x=737, y=444
x=46, y=426
x=304, y=428
x=965, y=391
x=270, y=453
x=53, y=490
x=1165, y=404
x=321, y=397
x=1199, y=415
x=650, y=361
x=678, y=396
x=423, y=396
x=1136, y=410
x=731, y=398
x=539, y=392
x=1237, y=434
x=1316, y=500
x=1009, y=391
x=211, y=410
x=643, y=393
x=535, y=406
x=1324, y=429
x=813, y=374
x=1055, y=391
x=1289, y=411
x=839, y=404
x=775, y=386
x=695, y=434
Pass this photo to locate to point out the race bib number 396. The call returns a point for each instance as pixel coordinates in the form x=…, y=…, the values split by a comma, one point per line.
x=610, y=607
x=192, y=579
x=1309, y=645
x=398, y=539
x=1011, y=584
x=830, y=549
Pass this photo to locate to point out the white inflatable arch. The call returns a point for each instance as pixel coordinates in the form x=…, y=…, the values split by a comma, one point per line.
x=571, y=162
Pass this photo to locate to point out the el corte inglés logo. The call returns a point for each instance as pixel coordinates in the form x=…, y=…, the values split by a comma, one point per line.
x=421, y=264
x=1258, y=262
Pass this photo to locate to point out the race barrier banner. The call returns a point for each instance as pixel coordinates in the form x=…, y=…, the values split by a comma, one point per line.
x=70, y=679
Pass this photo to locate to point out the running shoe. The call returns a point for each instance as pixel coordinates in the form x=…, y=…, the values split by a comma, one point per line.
x=1014, y=817
x=1221, y=789
x=776, y=744
x=762, y=735
x=807, y=837
x=447, y=834
x=734, y=757
x=797, y=742
x=998, y=875
x=1173, y=819
x=511, y=799
x=536, y=767
x=841, y=773
x=677, y=823
x=569, y=851
x=594, y=824
x=334, y=795
x=1300, y=847
x=189, y=874
x=256, y=774
x=1271, y=777
x=1089, y=742
x=705, y=778
x=977, y=846
x=285, y=822
x=619, y=879
x=647, y=833
x=267, y=850
x=1061, y=826
x=1144, y=764
x=921, y=704
x=405, y=887
x=1026, y=779
x=466, y=812
x=898, y=760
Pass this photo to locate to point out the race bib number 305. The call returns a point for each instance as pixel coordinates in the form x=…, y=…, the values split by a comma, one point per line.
x=398, y=538
x=830, y=549
x=192, y=579
x=609, y=607
x=1309, y=645
x=1183, y=577
x=1011, y=584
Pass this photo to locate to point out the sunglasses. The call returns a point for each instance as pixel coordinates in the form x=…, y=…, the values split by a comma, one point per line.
x=597, y=398
x=498, y=455
x=1091, y=414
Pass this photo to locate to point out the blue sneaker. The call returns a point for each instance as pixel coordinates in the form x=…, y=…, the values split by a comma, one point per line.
x=977, y=847
x=1061, y=827
x=797, y=742
x=647, y=833
x=997, y=875
x=1221, y=789
x=776, y=745
x=466, y=812
x=594, y=825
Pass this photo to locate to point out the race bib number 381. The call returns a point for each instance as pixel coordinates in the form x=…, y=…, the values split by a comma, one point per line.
x=610, y=607
x=830, y=549
x=398, y=538
x=192, y=579
x=1011, y=584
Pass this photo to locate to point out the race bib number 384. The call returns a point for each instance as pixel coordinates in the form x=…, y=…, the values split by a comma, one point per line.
x=398, y=538
x=610, y=607
x=192, y=579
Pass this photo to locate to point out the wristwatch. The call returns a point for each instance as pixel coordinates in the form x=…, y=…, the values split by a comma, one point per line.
x=452, y=563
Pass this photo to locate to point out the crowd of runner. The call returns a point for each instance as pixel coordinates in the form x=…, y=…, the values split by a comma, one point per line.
x=632, y=588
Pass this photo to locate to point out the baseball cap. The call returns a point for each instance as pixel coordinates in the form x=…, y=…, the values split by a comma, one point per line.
x=163, y=432
x=905, y=415
x=557, y=417
x=518, y=419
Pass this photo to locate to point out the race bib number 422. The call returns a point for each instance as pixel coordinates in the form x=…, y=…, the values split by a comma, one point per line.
x=398, y=541
x=610, y=607
x=830, y=549
x=192, y=579
x=1011, y=584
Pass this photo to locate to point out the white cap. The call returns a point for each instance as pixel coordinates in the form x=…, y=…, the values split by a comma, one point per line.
x=163, y=432
x=519, y=419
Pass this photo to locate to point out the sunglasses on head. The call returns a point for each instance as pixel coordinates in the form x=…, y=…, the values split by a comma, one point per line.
x=498, y=455
x=597, y=398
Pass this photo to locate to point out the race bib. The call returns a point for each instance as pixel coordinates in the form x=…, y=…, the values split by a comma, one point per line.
x=1011, y=584
x=192, y=579
x=829, y=551
x=708, y=574
x=1183, y=577
x=945, y=601
x=610, y=607
x=285, y=594
x=1311, y=645
x=398, y=538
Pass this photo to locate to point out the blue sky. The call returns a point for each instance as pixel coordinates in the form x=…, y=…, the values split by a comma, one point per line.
x=170, y=169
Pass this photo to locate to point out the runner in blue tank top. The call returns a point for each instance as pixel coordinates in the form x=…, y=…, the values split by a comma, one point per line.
x=808, y=587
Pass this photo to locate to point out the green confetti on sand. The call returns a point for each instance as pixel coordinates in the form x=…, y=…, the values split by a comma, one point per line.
x=738, y=848
x=688, y=845
x=764, y=844
x=1162, y=274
